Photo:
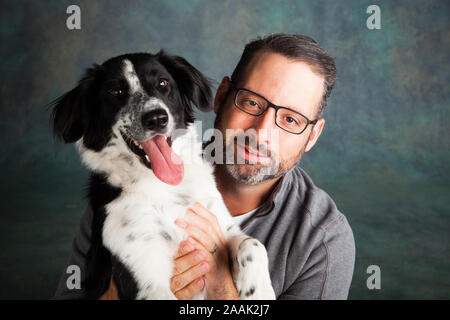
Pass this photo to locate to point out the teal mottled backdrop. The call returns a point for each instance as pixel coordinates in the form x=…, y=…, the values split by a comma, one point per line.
x=383, y=156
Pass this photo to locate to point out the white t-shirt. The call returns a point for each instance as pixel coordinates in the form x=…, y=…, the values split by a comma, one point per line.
x=240, y=219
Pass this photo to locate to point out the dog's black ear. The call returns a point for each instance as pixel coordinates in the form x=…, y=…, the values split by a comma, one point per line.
x=68, y=115
x=194, y=87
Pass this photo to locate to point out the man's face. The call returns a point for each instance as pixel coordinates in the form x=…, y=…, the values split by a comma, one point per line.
x=285, y=83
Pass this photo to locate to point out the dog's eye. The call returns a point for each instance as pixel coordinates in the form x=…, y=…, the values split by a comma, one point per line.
x=162, y=83
x=116, y=92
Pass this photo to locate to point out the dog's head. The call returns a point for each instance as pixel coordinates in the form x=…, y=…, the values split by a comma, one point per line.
x=137, y=100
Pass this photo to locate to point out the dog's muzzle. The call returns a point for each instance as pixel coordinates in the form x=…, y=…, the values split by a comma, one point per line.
x=155, y=120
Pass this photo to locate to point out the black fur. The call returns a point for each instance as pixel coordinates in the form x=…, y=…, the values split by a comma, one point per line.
x=90, y=110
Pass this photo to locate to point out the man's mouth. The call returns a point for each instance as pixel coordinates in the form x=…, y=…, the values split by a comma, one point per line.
x=252, y=155
x=156, y=154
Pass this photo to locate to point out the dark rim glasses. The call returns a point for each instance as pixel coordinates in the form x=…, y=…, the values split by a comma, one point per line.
x=285, y=118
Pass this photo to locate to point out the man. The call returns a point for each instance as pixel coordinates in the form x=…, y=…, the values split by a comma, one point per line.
x=277, y=92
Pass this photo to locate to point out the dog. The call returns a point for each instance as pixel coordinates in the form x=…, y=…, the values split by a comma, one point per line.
x=131, y=119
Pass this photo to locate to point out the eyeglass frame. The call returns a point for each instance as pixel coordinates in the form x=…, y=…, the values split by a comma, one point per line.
x=270, y=104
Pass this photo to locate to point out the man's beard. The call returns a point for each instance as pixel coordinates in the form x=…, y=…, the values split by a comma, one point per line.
x=254, y=173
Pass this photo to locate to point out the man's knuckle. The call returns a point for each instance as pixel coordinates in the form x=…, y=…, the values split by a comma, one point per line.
x=180, y=295
x=192, y=259
x=191, y=291
x=177, y=283
x=176, y=269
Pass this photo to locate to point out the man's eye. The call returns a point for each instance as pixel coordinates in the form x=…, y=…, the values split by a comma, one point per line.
x=162, y=83
x=290, y=120
x=116, y=92
x=252, y=103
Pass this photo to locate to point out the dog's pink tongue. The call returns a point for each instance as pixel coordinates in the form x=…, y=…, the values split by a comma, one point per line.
x=166, y=164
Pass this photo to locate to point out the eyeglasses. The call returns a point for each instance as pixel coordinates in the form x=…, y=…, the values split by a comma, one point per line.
x=255, y=105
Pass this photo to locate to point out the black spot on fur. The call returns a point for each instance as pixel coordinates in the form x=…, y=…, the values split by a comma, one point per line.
x=250, y=292
x=125, y=222
x=182, y=199
x=127, y=158
x=249, y=258
x=165, y=235
x=131, y=237
x=255, y=244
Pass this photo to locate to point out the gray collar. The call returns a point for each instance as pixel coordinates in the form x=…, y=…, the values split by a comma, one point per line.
x=273, y=199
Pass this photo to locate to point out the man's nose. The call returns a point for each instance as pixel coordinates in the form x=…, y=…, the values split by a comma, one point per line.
x=265, y=124
x=266, y=121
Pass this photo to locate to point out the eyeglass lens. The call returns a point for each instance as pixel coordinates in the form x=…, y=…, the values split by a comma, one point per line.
x=256, y=105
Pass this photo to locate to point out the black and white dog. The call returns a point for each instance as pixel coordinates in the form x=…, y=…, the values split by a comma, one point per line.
x=125, y=117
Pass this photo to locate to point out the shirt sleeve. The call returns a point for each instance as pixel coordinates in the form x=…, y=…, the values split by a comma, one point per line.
x=328, y=272
x=78, y=257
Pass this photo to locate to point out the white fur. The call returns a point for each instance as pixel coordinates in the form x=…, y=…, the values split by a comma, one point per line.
x=147, y=208
x=139, y=227
x=131, y=76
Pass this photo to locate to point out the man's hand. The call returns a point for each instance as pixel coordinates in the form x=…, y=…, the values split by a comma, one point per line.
x=189, y=268
x=194, y=264
x=203, y=257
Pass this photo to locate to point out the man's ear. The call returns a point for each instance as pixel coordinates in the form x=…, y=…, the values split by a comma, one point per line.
x=69, y=111
x=315, y=133
x=221, y=93
x=194, y=87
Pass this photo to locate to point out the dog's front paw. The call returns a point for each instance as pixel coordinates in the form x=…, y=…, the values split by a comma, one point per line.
x=251, y=270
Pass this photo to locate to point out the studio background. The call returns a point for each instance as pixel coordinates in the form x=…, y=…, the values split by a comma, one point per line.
x=383, y=155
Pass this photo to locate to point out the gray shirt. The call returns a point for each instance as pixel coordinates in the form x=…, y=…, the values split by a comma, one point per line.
x=309, y=242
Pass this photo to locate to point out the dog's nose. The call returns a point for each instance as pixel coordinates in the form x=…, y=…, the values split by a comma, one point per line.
x=155, y=119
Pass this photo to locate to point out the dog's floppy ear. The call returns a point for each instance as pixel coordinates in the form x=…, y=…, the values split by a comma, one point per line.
x=194, y=87
x=68, y=115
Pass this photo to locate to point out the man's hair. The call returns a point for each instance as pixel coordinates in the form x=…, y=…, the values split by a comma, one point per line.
x=296, y=47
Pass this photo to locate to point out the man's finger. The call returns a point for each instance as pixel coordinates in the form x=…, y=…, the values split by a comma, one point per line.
x=190, y=290
x=198, y=209
x=205, y=225
x=180, y=281
x=184, y=248
x=198, y=234
x=187, y=261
